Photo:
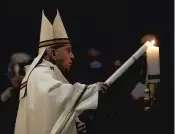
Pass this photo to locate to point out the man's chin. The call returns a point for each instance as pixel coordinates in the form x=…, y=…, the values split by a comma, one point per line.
x=66, y=72
x=67, y=69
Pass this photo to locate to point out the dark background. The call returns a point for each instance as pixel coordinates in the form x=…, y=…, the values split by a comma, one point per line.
x=115, y=29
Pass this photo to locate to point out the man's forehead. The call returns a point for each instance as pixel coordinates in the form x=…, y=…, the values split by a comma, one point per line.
x=67, y=45
x=62, y=46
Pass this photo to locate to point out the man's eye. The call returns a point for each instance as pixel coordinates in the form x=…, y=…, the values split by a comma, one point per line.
x=69, y=50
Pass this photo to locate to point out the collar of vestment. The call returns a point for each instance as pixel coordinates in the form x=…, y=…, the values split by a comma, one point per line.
x=58, y=74
x=54, y=69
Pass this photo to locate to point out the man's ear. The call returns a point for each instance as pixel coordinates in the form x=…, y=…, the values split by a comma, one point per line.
x=53, y=53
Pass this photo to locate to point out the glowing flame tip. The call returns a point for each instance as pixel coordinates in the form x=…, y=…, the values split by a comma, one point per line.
x=153, y=42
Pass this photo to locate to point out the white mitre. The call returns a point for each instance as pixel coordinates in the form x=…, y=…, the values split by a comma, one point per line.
x=59, y=31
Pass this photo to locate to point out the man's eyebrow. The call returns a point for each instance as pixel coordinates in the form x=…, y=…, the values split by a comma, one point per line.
x=68, y=47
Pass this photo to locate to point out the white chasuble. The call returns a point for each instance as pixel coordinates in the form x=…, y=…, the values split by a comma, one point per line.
x=49, y=99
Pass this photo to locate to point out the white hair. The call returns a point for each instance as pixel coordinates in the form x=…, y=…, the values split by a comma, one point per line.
x=19, y=58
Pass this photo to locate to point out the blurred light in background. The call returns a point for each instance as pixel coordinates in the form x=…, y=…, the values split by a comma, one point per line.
x=95, y=64
x=117, y=63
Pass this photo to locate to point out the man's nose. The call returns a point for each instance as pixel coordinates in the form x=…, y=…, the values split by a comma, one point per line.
x=72, y=56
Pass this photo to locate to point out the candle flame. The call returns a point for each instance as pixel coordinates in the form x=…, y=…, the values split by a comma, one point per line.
x=152, y=42
x=151, y=39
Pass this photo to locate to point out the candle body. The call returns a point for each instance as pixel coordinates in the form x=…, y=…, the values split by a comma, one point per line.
x=153, y=61
x=128, y=63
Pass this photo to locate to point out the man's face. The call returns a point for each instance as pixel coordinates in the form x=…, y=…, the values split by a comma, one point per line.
x=63, y=57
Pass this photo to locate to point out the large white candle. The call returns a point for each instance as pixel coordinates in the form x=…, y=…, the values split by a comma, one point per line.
x=129, y=62
x=153, y=61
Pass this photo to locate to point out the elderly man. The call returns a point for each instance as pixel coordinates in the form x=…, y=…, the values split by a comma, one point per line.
x=49, y=104
x=9, y=98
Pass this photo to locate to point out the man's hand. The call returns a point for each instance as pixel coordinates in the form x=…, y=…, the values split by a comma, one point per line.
x=102, y=87
x=81, y=127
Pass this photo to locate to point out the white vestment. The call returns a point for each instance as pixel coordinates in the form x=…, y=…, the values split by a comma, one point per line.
x=49, y=94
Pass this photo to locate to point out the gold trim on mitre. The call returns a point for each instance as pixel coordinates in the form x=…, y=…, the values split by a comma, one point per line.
x=46, y=43
x=54, y=42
